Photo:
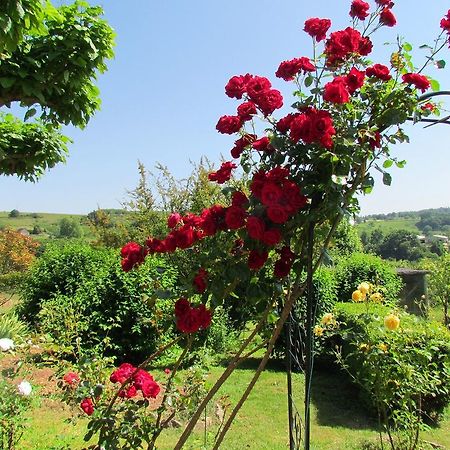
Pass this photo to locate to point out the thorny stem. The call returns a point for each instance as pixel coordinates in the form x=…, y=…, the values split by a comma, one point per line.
x=225, y=375
x=158, y=427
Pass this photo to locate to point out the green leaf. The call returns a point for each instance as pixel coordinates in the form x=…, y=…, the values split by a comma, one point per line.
x=387, y=179
x=400, y=164
x=440, y=64
x=435, y=86
x=309, y=80
x=407, y=46
x=388, y=163
x=7, y=82
x=30, y=113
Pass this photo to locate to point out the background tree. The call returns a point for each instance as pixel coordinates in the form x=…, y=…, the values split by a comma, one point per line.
x=49, y=61
x=16, y=251
x=69, y=228
x=14, y=213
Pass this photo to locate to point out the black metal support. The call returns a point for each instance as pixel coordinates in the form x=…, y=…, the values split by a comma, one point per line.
x=299, y=356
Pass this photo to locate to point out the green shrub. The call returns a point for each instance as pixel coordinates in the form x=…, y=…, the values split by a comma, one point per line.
x=359, y=267
x=404, y=373
x=83, y=299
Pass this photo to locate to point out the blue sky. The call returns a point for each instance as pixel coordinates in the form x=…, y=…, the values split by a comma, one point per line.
x=164, y=92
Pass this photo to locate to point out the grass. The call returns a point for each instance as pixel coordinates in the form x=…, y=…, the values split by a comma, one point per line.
x=388, y=226
x=48, y=222
x=338, y=419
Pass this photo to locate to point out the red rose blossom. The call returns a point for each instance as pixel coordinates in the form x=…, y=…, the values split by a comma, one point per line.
x=445, y=22
x=271, y=194
x=255, y=227
x=71, y=378
x=200, y=280
x=87, y=406
x=224, y=172
x=289, y=69
x=239, y=199
x=271, y=237
x=189, y=319
x=354, y=79
x=317, y=28
x=419, y=81
x=235, y=217
x=246, y=111
x=336, y=91
x=132, y=254
x=268, y=101
x=257, y=259
x=282, y=268
x=229, y=124
x=277, y=214
x=237, y=86
x=173, y=220
x=284, y=124
x=263, y=145
x=379, y=71
x=359, y=9
x=387, y=18
x=257, y=86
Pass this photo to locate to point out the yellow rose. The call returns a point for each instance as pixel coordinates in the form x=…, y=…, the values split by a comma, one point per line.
x=364, y=287
x=327, y=319
x=364, y=347
x=391, y=322
x=383, y=347
x=318, y=330
x=357, y=296
x=376, y=297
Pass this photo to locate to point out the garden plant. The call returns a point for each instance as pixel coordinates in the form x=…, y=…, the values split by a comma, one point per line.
x=258, y=247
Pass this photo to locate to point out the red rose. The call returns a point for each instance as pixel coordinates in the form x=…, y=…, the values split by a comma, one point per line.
x=246, y=111
x=284, y=124
x=359, y=9
x=241, y=143
x=387, y=18
x=239, y=199
x=122, y=373
x=376, y=141
x=255, y=227
x=336, y=91
x=294, y=197
x=182, y=306
x=188, y=323
x=289, y=69
x=173, y=220
x=87, y=406
x=130, y=392
x=277, y=174
x=379, y=71
x=277, y=214
x=431, y=107
x=71, y=378
x=185, y=237
x=419, y=81
x=313, y=126
x=203, y=316
x=263, y=145
x=224, y=172
x=235, y=217
x=271, y=194
x=133, y=254
x=269, y=101
x=237, y=85
x=384, y=3
x=257, y=259
x=445, y=22
x=343, y=44
x=258, y=180
x=272, y=237
x=317, y=28
x=229, y=124
x=200, y=280
x=354, y=79
x=282, y=268
x=257, y=86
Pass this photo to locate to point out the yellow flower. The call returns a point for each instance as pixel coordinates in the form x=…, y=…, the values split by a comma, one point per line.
x=328, y=319
x=383, y=347
x=318, y=330
x=364, y=347
x=391, y=322
x=358, y=296
x=364, y=287
x=376, y=297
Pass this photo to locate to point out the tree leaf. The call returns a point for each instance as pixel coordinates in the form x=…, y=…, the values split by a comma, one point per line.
x=387, y=179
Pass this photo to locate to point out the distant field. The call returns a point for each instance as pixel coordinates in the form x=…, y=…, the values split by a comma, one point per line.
x=48, y=223
x=389, y=225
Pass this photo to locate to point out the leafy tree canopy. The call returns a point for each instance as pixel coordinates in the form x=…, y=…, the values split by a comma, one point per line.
x=49, y=61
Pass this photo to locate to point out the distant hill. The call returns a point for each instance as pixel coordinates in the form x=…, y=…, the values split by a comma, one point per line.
x=425, y=221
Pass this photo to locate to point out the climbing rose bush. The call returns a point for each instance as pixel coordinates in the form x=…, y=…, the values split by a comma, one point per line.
x=302, y=169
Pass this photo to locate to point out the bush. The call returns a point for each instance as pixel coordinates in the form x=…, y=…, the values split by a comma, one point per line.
x=83, y=299
x=359, y=267
x=16, y=251
x=12, y=328
x=406, y=372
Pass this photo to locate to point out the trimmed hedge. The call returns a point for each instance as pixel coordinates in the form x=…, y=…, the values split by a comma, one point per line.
x=359, y=267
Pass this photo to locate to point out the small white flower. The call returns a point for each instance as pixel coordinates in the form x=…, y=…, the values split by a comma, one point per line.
x=24, y=388
x=6, y=344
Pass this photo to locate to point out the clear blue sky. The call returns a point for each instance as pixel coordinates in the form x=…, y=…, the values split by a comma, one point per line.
x=164, y=92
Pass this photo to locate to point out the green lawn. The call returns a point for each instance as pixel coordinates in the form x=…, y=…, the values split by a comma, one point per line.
x=388, y=226
x=338, y=419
